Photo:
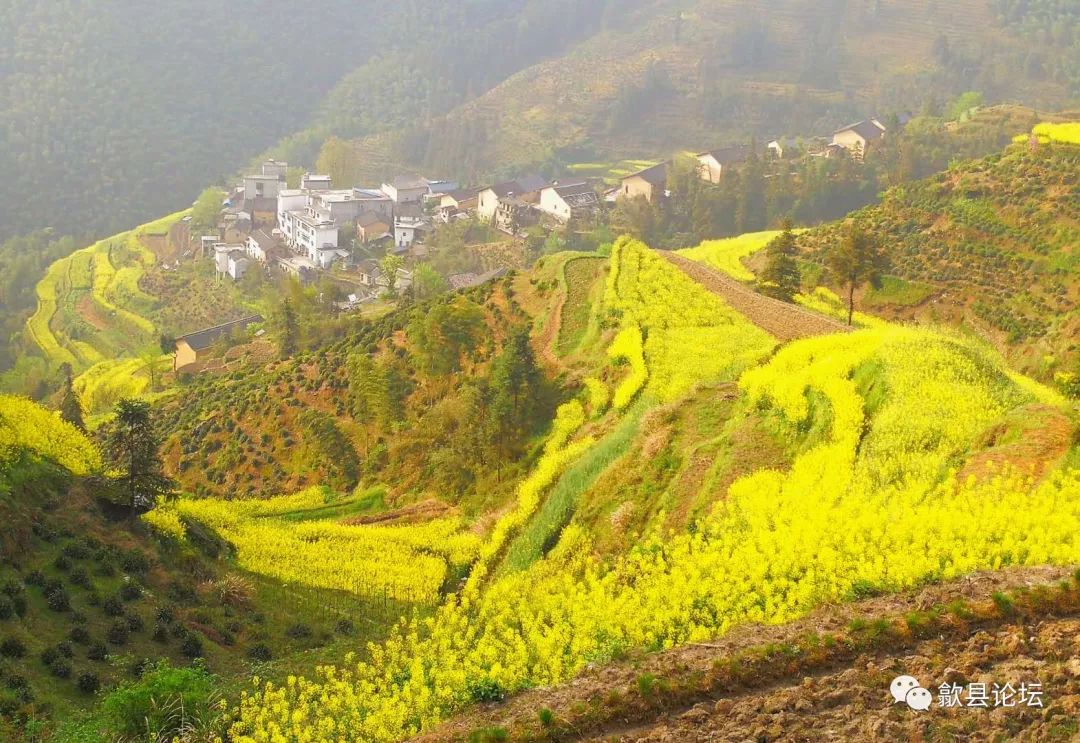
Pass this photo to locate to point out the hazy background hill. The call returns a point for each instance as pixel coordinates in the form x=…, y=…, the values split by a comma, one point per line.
x=111, y=113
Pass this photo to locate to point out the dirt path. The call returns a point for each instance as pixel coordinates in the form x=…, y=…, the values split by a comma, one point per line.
x=784, y=321
x=781, y=699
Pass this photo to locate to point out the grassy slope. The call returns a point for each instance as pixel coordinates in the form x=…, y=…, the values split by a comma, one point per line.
x=57, y=534
x=993, y=244
x=566, y=102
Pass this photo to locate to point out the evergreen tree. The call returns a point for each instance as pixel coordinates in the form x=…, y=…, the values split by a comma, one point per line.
x=70, y=405
x=515, y=388
x=132, y=444
x=780, y=278
x=858, y=259
x=290, y=329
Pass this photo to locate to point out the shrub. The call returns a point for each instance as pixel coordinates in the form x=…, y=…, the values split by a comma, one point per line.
x=260, y=652
x=79, y=635
x=191, y=646
x=134, y=622
x=298, y=631
x=12, y=647
x=49, y=656
x=163, y=703
x=130, y=592
x=61, y=668
x=65, y=649
x=547, y=717
x=62, y=564
x=113, y=606
x=117, y=634
x=7, y=608
x=58, y=600
x=79, y=577
x=485, y=690
x=88, y=682
x=344, y=627
x=160, y=633
x=97, y=651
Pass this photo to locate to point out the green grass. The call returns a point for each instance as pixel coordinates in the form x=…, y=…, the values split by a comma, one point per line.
x=579, y=277
x=558, y=508
x=897, y=291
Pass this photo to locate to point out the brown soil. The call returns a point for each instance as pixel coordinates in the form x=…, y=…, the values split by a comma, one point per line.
x=784, y=321
x=842, y=697
x=89, y=311
x=423, y=511
x=1045, y=436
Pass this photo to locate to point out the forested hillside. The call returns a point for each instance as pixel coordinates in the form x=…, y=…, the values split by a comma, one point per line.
x=669, y=76
x=993, y=242
x=110, y=116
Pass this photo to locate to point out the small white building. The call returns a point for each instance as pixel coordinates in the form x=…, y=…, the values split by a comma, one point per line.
x=713, y=163
x=315, y=182
x=404, y=190
x=405, y=231
x=569, y=201
x=260, y=244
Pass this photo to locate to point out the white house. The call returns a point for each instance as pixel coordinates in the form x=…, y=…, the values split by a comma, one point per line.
x=405, y=231
x=568, y=201
x=523, y=191
x=405, y=190
x=314, y=182
x=259, y=245
x=714, y=162
x=860, y=137
x=238, y=265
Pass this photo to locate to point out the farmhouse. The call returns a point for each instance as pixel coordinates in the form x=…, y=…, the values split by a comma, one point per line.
x=406, y=190
x=261, y=244
x=192, y=347
x=714, y=162
x=650, y=183
x=521, y=191
x=371, y=227
x=860, y=137
x=565, y=202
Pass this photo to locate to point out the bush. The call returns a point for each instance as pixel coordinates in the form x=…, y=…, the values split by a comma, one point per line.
x=298, y=631
x=117, y=634
x=97, y=651
x=62, y=564
x=88, y=682
x=134, y=561
x=58, y=600
x=164, y=702
x=130, y=592
x=49, y=656
x=485, y=690
x=160, y=633
x=12, y=647
x=260, y=652
x=79, y=577
x=134, y=622
x=61, y=668
x=65, y=649
x=113, y=606
x=191, y=645
x=7, y=608
x=79, y=635
x=344, y=627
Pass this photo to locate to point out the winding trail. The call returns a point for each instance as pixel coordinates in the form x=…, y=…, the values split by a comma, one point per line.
x=786, y=322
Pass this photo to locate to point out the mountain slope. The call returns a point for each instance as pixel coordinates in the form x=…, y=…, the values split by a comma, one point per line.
x=686, y=76
x=995, y=241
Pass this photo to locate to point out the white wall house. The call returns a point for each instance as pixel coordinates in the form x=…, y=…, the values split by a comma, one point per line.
x=404, y=190
x=568, y=201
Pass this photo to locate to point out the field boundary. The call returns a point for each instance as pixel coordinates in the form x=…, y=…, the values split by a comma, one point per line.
x=786, y=322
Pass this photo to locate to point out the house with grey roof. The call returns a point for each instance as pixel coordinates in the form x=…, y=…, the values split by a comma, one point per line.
x=194, y=347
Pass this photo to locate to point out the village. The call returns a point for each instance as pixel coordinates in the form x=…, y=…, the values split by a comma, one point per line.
x=321, y=226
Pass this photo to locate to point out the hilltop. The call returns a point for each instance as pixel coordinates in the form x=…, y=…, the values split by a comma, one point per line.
x=989, y=244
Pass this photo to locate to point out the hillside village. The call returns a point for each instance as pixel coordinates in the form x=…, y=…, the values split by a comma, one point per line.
x=319, y=226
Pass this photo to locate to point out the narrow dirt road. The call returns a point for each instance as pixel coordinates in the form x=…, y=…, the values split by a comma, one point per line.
x=784, y=321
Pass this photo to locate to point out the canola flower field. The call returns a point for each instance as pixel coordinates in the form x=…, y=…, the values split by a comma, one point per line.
x=405, y=563
x=875, y=503
x=25, y=426
x=727, y=255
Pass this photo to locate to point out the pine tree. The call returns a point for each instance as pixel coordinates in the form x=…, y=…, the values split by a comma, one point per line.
x=132, y=443
x=780, y=277
x=71, y=406
x=858, y=259
x=290, y=329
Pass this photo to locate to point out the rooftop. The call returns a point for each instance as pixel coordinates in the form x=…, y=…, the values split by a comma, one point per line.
x=202, y=339
x=656, y=174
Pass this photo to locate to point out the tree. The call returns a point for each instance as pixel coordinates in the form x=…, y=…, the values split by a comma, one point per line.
x=858, y=259
x=207, y=209
x=132, y=444
x=152, y=361
x=780, y=278
x=515, y=386
x=71, y=408
x=339, y=160
x=290, y=329
x=390, y=264
x=427, y=282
